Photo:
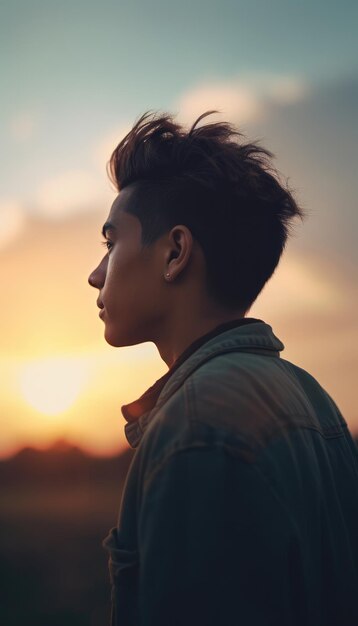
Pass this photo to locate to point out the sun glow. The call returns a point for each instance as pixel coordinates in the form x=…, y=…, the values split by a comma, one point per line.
x=52, y=385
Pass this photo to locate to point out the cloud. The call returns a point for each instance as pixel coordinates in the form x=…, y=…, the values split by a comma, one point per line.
x=301, y=285
x=230, y=99
x=106, y=144
x=71, y=192
x=23, y=125
x=241, y=99
x=315, y=141
x=12, y=221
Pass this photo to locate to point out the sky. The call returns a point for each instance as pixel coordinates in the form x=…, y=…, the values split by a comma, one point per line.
x=74, y=77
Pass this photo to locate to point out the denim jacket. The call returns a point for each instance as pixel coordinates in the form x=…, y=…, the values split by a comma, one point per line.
x=240, y=506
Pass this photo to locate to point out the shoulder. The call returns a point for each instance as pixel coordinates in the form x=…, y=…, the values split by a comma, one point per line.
x=245, y=393
x=240, y=400
x=215, y=403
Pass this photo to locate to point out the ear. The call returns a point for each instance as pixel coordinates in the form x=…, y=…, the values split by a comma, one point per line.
x=180, y=245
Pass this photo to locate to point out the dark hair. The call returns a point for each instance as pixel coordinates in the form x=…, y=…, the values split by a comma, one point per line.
x=223, y=189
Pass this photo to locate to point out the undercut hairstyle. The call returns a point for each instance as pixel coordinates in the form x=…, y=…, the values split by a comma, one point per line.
x=223, y=188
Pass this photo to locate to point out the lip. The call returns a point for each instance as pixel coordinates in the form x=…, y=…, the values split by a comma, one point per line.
x=101, y=313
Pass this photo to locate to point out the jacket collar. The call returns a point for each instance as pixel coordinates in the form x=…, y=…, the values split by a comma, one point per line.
x=245, y=334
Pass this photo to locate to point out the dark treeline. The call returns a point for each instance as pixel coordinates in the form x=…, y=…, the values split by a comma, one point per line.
x=60, y=464
x=56, y=508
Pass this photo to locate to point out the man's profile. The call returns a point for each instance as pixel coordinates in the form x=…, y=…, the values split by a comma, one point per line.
x=240, y=506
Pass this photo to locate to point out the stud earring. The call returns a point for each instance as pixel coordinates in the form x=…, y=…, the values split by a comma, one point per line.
x=167, y=275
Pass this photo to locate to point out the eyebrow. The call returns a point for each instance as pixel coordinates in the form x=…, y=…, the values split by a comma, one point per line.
x=106, y=227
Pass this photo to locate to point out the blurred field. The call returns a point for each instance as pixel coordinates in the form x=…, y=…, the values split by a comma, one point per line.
x=55, y=509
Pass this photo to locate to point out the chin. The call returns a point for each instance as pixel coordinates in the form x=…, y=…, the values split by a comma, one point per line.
x=113, y=340
x=120, y=340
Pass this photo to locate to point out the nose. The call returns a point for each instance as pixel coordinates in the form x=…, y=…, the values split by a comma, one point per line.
x=98, y=276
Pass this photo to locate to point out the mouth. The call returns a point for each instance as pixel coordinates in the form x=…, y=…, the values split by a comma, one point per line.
x=101, y=313
x=100, y=306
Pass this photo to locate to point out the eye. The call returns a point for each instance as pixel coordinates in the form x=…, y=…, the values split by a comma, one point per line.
x=108, y=244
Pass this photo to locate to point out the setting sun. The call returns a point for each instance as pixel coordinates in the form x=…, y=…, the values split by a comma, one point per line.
x=52, y=385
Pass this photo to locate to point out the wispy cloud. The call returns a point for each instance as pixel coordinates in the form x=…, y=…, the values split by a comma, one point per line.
x=71, y=192
x=104, y=147
x=78, y=191
x=12, y=221
x=302, y=286
x=241, y=99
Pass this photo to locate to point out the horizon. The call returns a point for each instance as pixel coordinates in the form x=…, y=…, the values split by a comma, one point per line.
x=64, y=446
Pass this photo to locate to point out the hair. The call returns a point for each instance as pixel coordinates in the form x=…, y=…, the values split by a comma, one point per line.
x=224, y=189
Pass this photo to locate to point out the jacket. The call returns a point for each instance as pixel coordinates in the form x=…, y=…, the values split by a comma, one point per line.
x=240, y=506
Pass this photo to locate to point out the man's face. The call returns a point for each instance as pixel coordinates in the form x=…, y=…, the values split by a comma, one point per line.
x=129, y=279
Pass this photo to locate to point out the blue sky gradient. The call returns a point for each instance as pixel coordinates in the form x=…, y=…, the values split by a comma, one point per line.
x=75, y=75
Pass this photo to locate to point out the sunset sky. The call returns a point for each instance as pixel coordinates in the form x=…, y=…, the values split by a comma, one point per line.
x=74, y=77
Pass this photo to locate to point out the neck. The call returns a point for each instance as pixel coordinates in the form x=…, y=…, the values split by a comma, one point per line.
x=177, y=335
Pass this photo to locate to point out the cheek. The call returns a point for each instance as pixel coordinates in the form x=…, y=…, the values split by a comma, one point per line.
x=113, y=283
x=133, y=299
x=127, y=282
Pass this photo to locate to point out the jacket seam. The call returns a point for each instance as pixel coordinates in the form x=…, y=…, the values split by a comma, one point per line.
x=335, y=408
x=180, y=449
x=331, y=433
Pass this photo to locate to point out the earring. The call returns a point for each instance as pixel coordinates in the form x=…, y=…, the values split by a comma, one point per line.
x=167, y=275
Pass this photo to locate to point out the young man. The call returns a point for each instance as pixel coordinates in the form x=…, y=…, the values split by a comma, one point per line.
x=241, y=503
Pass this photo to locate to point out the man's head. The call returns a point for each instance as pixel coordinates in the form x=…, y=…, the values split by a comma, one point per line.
x=202, y=206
